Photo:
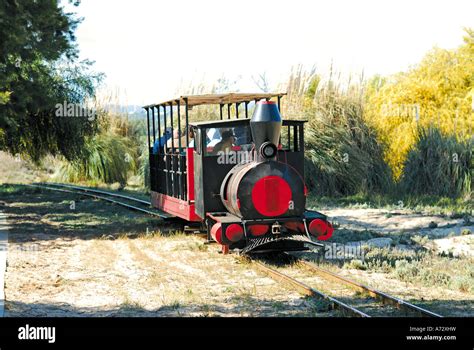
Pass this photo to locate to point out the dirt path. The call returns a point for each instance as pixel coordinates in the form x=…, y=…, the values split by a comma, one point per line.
x=72, y=263
x=97, y=260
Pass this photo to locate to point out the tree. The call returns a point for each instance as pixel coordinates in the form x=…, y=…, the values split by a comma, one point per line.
x=436, y=91
x=38, y=71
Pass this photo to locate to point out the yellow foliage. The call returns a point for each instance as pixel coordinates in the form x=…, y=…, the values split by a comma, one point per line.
x=4, y=97
x=439, y=90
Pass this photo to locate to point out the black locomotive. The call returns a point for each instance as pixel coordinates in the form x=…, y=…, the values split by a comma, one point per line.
x=242, y=179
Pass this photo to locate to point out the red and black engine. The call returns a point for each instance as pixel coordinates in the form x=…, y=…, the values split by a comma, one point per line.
x=265, y=197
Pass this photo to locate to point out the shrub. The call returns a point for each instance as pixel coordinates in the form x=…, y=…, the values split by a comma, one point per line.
x=439, y=89
x=356, y=264
x=405, y=270
x=438, y=164
x=106, y=159
x=343, y=156
x=463, y=284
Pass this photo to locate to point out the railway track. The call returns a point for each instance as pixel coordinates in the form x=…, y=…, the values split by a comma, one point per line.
x=345, y=308
x=128, y=202
x=388, y=304
x=309, y=291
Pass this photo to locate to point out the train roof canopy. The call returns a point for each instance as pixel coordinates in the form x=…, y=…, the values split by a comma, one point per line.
x=217, y=99
x=217, y=123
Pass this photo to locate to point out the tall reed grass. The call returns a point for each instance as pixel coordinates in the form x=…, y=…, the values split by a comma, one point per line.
x=343, y=155
x=439, y=164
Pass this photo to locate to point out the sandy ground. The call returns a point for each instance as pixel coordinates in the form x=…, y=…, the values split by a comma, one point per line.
x=96, y=260
x=387, y=221
x=157, y=276
x=59, y=265
x=17, y=170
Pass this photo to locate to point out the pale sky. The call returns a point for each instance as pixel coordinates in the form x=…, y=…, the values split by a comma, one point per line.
x=147, y=49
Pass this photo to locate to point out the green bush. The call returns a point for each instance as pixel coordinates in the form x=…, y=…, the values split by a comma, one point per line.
x=464, y=283
x=343, y=156
x=438, y=165
x=405, y=270
x=356, y=264
x=107, y=158
x=144, y=169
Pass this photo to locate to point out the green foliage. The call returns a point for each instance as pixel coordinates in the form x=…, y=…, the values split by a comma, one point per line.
x=313, y=87
x=118, y=152
x=439, y=90
x=355, y=264
x=431, y=270
x=361, y=136
x=438, y=164
x=38, y=70
x=144, y=169
x=105, y=159
x=343, y=155
x=385, y=259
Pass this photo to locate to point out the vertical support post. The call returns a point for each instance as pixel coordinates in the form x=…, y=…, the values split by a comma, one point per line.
x=295, y=138
x=164, y=119
x=148, y=126
x=187, y=121
x=172, y=155
x=154, y=129
x=172, y=127
x=186, y=109
x=237, y=104
x=220, y=109
x=289, y=137
x=166, y=156
x=159, y=129
x=301, y=137
x=246, y=109
x=159, y=170
x=179, y=125
x=180, y=173
x=228, y=110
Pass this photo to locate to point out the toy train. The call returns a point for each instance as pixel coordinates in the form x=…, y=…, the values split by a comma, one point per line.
x=240, y=179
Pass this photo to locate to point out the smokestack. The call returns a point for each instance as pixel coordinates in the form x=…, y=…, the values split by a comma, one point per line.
x=265, y=126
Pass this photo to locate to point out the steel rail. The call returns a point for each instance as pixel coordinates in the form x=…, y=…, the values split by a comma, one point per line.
x=374, y=293
x=84, y=193
x=306, y=290
x=93, y=190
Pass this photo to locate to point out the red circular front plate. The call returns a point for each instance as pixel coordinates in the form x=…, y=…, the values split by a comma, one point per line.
x=271, y=196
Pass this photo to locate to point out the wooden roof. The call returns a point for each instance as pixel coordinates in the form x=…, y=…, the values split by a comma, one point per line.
x=242, y=120
x=221, y=121
x=215, y=99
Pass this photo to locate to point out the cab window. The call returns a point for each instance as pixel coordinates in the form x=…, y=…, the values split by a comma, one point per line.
x=227, y=139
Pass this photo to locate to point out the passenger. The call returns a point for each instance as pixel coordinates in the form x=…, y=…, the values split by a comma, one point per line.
x=161, y=141
x=225, y=145
x=190, y=137
x=173, y=142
